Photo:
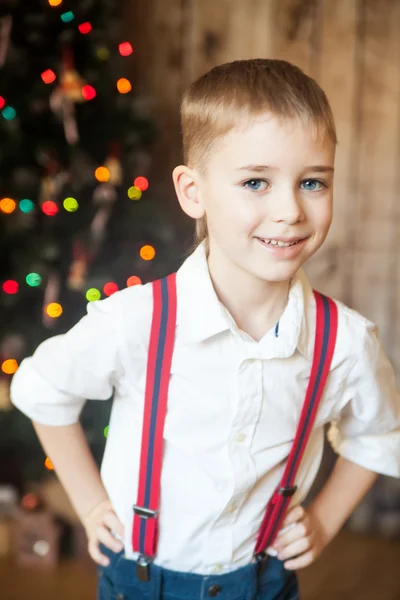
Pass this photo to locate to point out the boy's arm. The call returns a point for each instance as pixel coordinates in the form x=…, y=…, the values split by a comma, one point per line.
x=78, y=473
x=341, y=494
x=74, y=465
x=313, y=528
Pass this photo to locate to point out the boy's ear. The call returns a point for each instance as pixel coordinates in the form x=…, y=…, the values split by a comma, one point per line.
x=187, y=189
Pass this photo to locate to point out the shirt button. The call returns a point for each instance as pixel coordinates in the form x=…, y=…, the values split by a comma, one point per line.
x=240, y=437
x=216, y=569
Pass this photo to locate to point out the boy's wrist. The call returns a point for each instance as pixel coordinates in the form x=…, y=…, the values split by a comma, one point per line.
x=90, y=510
x=328, y=528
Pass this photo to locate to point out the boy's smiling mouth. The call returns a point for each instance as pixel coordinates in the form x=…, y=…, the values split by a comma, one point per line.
x=281, y=242
x=285, y=248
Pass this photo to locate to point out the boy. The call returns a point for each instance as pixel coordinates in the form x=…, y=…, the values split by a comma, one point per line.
x=259, y=145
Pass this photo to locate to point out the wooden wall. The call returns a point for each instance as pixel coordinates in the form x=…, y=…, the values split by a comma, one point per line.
x=352, y=48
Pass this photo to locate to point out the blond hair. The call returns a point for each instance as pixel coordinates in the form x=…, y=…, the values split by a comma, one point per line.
x=240, y=91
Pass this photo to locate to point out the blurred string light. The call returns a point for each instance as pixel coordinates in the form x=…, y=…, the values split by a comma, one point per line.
x=106, y=431
x=54, y=310
x=124, y=85
x=48, y=464
x=102, y=174
x=93, y=294
x=68, y=16
x=103, y=53
x=49, y=208
x=9, y=366
x=147, y=252
x=125, y=49
x=142, y=183
x=48, y=76
x=26, y=205
x=110, y=288
x=133, y=280
x=70, y=204
x=85, y=28
x=134, y=193
x=2, y=102
x=88, y=92
x=9, y=113
x=10, y=286
x=7, y=205
x=55, y=2
x=33, y=279
x=30, y=501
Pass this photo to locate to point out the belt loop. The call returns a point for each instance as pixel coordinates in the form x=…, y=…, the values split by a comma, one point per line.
x=156, y=582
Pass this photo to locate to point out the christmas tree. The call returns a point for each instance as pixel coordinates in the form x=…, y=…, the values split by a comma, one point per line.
x=78, y=218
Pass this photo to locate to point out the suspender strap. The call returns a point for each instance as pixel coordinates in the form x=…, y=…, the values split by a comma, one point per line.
x=145, y=520
x=325, y=339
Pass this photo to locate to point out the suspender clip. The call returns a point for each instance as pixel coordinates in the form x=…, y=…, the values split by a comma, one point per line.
x=144, y=513
x=287, y=492
x=261, y=556
x=143, y=568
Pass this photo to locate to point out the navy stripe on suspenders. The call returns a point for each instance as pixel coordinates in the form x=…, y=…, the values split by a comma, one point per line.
x=146, y=509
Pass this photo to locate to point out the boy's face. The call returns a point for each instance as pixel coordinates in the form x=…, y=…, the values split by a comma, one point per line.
x=267, y=186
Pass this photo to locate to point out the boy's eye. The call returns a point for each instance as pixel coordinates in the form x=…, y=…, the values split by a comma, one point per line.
x=254, y=184
x=312, y=185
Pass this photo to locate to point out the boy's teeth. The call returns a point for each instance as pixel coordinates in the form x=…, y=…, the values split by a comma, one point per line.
x=279, y=243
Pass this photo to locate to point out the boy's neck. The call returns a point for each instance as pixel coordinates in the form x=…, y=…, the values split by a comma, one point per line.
x=255, y=305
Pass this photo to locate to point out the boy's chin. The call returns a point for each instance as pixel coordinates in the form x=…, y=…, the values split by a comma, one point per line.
x=276, y=274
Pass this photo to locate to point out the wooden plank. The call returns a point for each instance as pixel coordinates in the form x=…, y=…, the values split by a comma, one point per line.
x=208, y=46
x=294, y=28
x=376, y=228
x=371, y=283
x=393, y=335
x=379, y=106
x=337, y=75
x=250, y=31
x=223, y=32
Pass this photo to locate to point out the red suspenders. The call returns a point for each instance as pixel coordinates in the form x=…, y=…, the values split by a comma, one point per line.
x=146, y=509
x=145, y=520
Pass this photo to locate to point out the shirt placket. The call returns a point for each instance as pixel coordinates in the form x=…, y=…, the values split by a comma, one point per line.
x=247, y=412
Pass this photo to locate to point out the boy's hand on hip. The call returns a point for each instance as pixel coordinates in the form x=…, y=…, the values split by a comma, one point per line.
x=301, y=539
x=100, y=524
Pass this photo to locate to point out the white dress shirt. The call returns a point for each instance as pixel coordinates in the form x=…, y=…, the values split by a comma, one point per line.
x=233, y=408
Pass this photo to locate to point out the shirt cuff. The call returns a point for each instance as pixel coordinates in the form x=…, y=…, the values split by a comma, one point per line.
x=379, y=454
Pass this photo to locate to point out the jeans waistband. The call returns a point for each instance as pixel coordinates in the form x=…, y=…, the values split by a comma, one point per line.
x=240, y=584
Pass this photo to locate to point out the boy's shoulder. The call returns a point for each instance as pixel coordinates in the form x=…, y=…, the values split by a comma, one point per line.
x=352, y=322
x=132, y=307
x=354, y=330
x=136, y=300
x=356, y=335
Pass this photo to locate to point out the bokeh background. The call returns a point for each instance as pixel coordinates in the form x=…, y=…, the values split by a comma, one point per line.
x=89, y=135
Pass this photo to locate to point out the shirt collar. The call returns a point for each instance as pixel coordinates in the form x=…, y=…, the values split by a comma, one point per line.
x=200, y=314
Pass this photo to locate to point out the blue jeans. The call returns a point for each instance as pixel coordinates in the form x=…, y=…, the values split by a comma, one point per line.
x=119, y=581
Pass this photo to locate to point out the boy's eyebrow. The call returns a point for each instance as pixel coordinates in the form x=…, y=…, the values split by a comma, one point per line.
x=259, y=168
x=321, y=169
x=254, y=168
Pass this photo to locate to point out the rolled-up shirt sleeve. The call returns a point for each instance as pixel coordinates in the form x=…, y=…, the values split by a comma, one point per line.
x=367, y=430
x=52, y=386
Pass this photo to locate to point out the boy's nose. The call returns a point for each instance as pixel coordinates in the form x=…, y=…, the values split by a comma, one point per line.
x=288, y=209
